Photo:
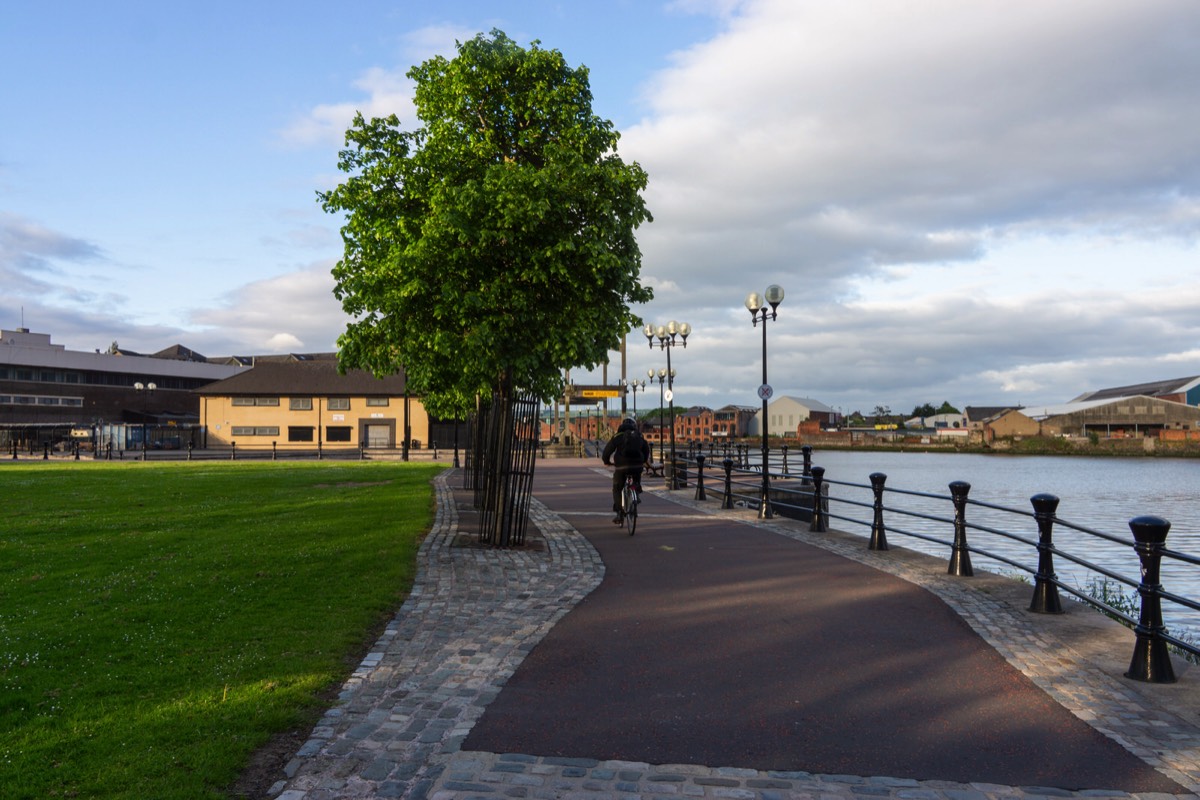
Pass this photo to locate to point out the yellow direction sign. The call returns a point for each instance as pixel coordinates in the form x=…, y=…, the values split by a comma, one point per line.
x=600, y=393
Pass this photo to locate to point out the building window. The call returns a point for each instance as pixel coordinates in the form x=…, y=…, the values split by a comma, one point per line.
x=256, y=401
x=377, y=401
x=339, y=404
x=337, y=433
x=300, y=403
x=251, y=430
x=300, y=433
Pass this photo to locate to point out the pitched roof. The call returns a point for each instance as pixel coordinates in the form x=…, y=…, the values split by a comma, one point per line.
x=295, y=378
x=250, y=361
x=1152, y=389
x=180, y=353
x=807, y=402
x=1062, y=409
x=980, y=413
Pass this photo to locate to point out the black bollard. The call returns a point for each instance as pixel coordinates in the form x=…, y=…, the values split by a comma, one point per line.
x=960, y=557
x=700, y=494
x=728, y=465
x=233, y=451
x=274, y=453
x=806, y=475
x=784, y=448
x=191, y=445
x=1151, y=661
x=878, y=532
x=818, y=507
x=1045, y=590
x=45, y=452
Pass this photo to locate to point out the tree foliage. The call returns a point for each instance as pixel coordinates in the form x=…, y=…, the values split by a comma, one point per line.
x=493, y=246
x=928, y=409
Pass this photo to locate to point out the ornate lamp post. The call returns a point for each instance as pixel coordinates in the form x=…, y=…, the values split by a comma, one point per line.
x=666, y=336
x=634, y=386
x=148, y=388
x=662, y=378
x=757, y=304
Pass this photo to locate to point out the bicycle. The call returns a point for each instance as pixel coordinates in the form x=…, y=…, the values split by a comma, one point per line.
x=629, y=504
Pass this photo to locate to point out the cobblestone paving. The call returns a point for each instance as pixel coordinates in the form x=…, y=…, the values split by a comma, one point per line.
x=473, y=614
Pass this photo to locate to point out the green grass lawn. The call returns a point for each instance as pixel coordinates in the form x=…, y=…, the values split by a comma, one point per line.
x=159, y=622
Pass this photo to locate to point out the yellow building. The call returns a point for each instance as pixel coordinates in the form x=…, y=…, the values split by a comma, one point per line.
x=307, y=404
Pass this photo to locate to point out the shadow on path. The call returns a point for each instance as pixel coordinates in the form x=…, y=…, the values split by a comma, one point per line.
x=713, y=642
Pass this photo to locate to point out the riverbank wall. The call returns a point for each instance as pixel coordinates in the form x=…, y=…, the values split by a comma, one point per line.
x=1176, y=447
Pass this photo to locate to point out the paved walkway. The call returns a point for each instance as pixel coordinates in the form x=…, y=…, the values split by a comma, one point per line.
x=402, y=726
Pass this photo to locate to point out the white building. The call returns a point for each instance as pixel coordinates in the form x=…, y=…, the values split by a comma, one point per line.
x=785, y=413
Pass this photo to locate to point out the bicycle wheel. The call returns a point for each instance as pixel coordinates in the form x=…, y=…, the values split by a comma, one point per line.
x=630, y=500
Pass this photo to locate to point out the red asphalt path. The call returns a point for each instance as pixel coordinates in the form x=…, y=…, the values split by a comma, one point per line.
x=714, y=642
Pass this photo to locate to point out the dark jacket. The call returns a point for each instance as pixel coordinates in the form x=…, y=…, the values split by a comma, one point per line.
x=615, y=451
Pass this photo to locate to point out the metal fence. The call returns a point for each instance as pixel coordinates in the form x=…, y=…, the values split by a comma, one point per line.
x=504, y=451
x=955, y=522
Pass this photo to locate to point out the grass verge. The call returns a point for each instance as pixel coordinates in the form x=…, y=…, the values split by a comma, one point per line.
x=158, y=623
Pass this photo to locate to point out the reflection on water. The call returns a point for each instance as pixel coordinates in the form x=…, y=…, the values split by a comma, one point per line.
x=1098, y=493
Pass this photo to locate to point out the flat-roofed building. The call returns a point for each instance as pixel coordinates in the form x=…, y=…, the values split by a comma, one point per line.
x=49, y=394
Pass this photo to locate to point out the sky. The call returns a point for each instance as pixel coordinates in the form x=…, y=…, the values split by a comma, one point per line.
x=987, y=203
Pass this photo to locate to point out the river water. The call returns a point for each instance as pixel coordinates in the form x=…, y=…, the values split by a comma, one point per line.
x=1098, y=493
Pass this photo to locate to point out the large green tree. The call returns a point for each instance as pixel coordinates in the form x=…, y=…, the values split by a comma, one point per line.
x=492, y=247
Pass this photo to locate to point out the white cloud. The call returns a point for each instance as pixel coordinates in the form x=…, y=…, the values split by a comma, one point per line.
x=982, y=198
x=385, y=90
x=284, y=343
x=292, y=312
x=828, y=139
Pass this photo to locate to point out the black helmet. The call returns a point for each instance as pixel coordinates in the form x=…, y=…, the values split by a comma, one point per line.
x=628, y=425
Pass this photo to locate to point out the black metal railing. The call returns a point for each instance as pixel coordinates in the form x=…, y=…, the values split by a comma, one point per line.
x=236, y=451
x=810, y=496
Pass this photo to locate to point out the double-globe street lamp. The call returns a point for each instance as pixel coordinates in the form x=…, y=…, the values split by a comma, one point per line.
x=634, y=386
x=148, y=388
x=757, y=304
x=668, y=336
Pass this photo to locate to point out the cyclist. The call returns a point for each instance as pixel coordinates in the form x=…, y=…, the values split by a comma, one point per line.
x=631, y=452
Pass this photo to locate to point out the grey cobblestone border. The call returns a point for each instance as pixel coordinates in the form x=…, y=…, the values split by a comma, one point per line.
x=473, y=614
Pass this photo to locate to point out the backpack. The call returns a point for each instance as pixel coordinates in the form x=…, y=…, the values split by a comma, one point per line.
x=631, y=447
